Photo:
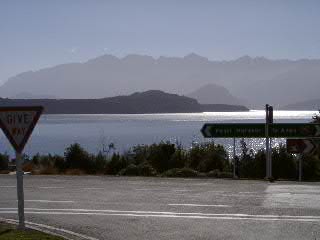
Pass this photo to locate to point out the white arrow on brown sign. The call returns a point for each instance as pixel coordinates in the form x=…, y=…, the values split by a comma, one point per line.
x=306, y=146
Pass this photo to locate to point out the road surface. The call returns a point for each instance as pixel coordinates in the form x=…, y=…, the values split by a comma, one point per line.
x=102, y=207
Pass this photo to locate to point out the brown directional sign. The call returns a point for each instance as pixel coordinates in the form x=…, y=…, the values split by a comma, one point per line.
x=18, y=123
x=302, y=145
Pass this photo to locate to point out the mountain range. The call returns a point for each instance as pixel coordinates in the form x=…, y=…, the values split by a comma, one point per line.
x=246, y=80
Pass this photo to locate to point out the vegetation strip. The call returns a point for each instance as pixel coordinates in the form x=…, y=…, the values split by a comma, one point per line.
x=59, y=232
x=166, y=159
x=9, y=232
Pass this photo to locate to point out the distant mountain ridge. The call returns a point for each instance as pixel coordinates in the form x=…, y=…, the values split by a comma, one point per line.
x=255, y=80
x=313, y=104
x=152, y=101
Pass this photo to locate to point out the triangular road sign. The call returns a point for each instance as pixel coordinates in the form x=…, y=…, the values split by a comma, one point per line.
x=17, y=123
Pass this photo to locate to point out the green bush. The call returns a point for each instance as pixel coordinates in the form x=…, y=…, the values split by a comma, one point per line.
x=180, y=172
x=4, y=160
x=208, y=156
x=77, y=158
x=160, y=156
x=214, y=173
x=145, y=169
x=283, y=163
x=225, y=175
x=131, y=170
x=116, y=164
x=100, y=162
x=310, y=167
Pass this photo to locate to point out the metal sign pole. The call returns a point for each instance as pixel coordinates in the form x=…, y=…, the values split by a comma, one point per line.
x=300, y=167
x=19, y=174
x=270, y=121
x=267, y=142
x=234, y=157
x=270, y=157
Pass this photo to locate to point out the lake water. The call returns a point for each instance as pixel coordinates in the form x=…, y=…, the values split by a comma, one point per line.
x=55, y=132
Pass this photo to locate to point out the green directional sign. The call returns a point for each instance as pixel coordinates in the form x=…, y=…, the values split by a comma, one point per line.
x=231, y=130
x=257, y=130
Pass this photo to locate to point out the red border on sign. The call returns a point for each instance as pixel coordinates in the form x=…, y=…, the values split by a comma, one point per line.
x=37, y=109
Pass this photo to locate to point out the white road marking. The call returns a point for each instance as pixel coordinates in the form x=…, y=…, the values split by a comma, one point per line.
x=150, y=189
x=178, y=215
x=192, y=215
x=198, y=205
x=7, y=186
x=49, y=201
x=93, y=188
x=51, y=187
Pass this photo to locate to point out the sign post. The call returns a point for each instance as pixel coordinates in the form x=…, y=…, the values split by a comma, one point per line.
x=300, y=168
x=269, y=120
x=17, y=123
x=234, y=157
x=267, y=142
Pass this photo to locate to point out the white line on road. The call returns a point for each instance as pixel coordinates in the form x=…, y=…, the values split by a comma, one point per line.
x=49, y=201
x=7, y=186
x=51, y=187
x=198, y=205
x=195, y=215
x=217, y=217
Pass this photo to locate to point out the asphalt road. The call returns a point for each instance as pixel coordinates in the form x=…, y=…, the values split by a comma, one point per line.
x=100, y=207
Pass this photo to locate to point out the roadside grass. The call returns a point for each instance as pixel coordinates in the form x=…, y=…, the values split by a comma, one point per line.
x=9, y=232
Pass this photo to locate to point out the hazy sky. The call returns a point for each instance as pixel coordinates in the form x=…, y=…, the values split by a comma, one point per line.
x=42, y=33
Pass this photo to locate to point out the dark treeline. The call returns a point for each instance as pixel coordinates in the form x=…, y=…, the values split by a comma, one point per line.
x=171, y=160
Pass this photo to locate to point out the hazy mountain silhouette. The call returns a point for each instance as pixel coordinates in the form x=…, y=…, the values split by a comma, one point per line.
x=255, y=80
x=213, y=94
x=26, y=95
x=313, y=104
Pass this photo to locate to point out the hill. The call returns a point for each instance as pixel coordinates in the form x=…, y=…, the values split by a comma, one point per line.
x=153, y=101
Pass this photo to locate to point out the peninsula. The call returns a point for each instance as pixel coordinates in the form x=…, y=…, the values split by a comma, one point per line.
x=153, y=101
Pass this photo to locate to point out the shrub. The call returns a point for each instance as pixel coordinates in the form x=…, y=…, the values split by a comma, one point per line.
x=4, y=160
x=207, y=157
x=225, y=175
x=77, y=158
x=311, y=167
x=49, y=170
x=160, y=155
x=131, y=170
x=145, y=169
x=116, y=163
x=214, y=173
x=180, y=172
x=283, y=163
x=178, y=158
x=100, y=162
x=75, y=172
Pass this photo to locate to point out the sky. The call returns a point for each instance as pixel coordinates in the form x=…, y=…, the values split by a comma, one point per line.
x=40, y=33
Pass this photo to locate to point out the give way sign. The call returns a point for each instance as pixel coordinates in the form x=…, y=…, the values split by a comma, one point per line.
x=18, y=123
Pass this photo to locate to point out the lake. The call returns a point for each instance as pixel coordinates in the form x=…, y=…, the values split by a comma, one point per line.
x=55, y=132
